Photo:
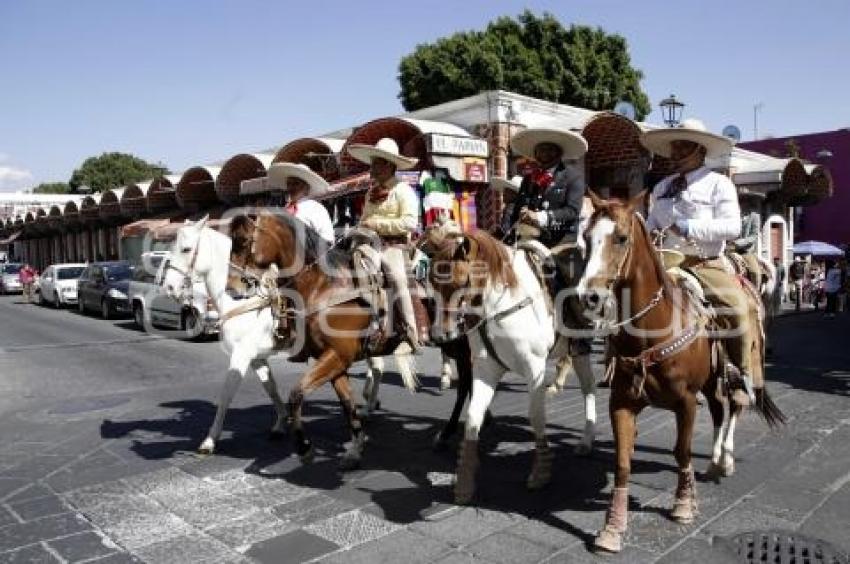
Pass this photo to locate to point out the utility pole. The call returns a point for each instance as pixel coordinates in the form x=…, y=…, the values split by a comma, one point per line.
x=756, y=109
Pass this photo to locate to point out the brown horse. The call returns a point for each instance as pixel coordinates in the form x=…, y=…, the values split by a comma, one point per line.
x=663, y=353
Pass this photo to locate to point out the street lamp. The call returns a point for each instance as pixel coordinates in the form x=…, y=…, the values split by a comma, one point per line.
x=671, y=110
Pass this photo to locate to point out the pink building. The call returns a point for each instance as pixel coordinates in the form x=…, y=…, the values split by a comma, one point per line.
x=829, y=219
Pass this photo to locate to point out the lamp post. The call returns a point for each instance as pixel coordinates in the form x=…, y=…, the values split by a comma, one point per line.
x=756, y=109
x=671, y=110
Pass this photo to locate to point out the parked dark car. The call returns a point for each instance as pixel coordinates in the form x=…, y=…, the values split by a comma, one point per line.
x=103, y=287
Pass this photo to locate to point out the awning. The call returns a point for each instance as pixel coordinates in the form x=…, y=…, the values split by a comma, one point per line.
x=11, y=238
x=169, y=231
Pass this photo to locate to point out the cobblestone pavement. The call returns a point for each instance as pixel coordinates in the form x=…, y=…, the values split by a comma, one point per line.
x=111, y=476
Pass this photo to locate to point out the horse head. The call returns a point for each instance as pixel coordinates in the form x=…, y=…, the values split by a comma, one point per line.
x=609, y=238
x=197, y=253
x=462, y=269
x=286, y=241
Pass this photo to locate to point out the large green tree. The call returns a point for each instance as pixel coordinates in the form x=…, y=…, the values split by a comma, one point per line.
x=111, y=170
x=531, y=55
x=52, y=188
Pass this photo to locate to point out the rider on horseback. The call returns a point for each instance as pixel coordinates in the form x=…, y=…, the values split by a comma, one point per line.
x=302, y=185
x=548, y=206
x=392, y=211
x=696, y=210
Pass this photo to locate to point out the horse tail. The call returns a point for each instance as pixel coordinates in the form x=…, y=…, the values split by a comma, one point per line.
x=406, y=366
x=769, y=411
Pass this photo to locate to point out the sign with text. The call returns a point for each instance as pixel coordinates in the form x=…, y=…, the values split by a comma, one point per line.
x=458, y=146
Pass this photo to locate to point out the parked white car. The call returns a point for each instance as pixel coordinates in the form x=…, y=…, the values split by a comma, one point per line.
x=152, y=307
x=57, y=285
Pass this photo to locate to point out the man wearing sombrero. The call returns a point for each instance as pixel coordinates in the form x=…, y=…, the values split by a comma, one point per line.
x=696, y=210
x=392, y=211
x=547, y=206
x=302, y=185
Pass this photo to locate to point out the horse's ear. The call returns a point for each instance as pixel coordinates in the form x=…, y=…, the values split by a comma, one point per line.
x=638, y=202
x=202, y=222
x=595, y=199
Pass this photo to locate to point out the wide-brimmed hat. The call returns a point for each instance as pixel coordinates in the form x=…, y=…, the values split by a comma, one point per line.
x=501, y=184
x=658, y=140
x=386, y=149
x=279, y=172
x=573, y=146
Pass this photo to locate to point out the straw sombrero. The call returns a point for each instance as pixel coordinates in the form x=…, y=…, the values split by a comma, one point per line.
x=501, y=184
x=386, y=149
x=658, y=140
x=278, y=173
x=573, y=146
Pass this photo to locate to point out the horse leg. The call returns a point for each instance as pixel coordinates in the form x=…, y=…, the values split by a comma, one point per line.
x=354, y=452
x=483, y=390
x=264, y=373
x=685, y=504
x=727, y=458
x=327, y=367
x=446, y=373
x=374, y=375
x=463, y=361
x=610, y=538
x=581, y=364
x=718, y=418
x=235, y=373
x=541, y=471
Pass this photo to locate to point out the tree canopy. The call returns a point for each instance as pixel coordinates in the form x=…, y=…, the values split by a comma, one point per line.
x=111, y=170
x=531, y=55
x=52, y=188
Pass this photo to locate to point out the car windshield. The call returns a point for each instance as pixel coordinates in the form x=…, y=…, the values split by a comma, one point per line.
x=12, y=269
x=69, y=273
x=117, y=272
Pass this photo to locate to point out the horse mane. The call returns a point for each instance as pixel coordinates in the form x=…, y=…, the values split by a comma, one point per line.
x=495, y=256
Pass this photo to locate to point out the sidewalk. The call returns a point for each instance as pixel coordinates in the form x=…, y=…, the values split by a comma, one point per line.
x=113, y=479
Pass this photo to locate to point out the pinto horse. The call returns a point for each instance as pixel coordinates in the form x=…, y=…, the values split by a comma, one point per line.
x=663, y=355
x=332, y=319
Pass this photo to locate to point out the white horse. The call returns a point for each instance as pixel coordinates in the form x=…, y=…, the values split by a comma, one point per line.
x=512, y=330
x=247, y=329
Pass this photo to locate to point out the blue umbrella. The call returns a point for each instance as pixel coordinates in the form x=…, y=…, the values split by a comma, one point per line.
x=818, y=249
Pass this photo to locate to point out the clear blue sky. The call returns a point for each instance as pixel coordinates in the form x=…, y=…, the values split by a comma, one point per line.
x=189, y=82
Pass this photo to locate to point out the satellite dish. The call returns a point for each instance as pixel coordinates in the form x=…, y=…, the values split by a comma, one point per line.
x=625, y=109
x=732, y=132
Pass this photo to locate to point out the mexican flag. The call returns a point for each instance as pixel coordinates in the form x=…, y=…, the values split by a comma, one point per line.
x=437, y=199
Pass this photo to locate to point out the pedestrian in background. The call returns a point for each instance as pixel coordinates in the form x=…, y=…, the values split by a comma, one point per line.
x=27, y=278
x=798, y=274
x=831, y=286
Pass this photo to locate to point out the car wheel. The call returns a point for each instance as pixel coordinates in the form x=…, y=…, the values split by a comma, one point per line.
x=56, y=303
x=139, y=315
x=104, y=309
x=192, y=324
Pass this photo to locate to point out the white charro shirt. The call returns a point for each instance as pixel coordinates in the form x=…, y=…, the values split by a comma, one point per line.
x=396, y=216
x=315, y=215
x=708, y=207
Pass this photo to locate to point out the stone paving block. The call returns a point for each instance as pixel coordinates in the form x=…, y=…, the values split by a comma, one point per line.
x=29, y=492
x=22, y=534
x=297, y=546
x=37, y=467
x=231, y=481
x=84, y=546
x=117, y=558
x=203, y=512
x=750, y=515
x=241, y=533
x=39, y=507
x=290, y=509
x=506, y=548
x=400, y=546
x=544, y=533
x=10, y=486
x=107, y=492
x=581, y=554
x=137, y=522
x=466, y=526
x=35, y=554
x=352, y=528
x=68, y=479
x=170, y=483
x=699, y=550
x=6, y=517
x=336, y=507
x=831, y=521
x=276, y=492
x=459, y=557
x=193, y=547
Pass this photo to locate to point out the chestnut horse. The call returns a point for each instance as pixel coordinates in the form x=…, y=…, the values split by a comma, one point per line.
x=663, y=354
x=332, y=317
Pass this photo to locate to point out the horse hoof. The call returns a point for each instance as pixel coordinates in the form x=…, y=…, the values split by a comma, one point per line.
x=583, y=449
x=683, y=511
x=553, y=390
x=309, y=456
x=608, y=540
x=207, y=447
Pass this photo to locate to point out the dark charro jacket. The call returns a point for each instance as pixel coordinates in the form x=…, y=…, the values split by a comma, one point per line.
x=562, y=201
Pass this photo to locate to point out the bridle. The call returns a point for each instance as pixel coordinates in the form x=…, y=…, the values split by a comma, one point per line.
x=188, y=274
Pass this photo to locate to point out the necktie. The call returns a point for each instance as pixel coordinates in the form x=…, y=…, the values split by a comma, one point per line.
x=676, y=187
x=378, y=194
